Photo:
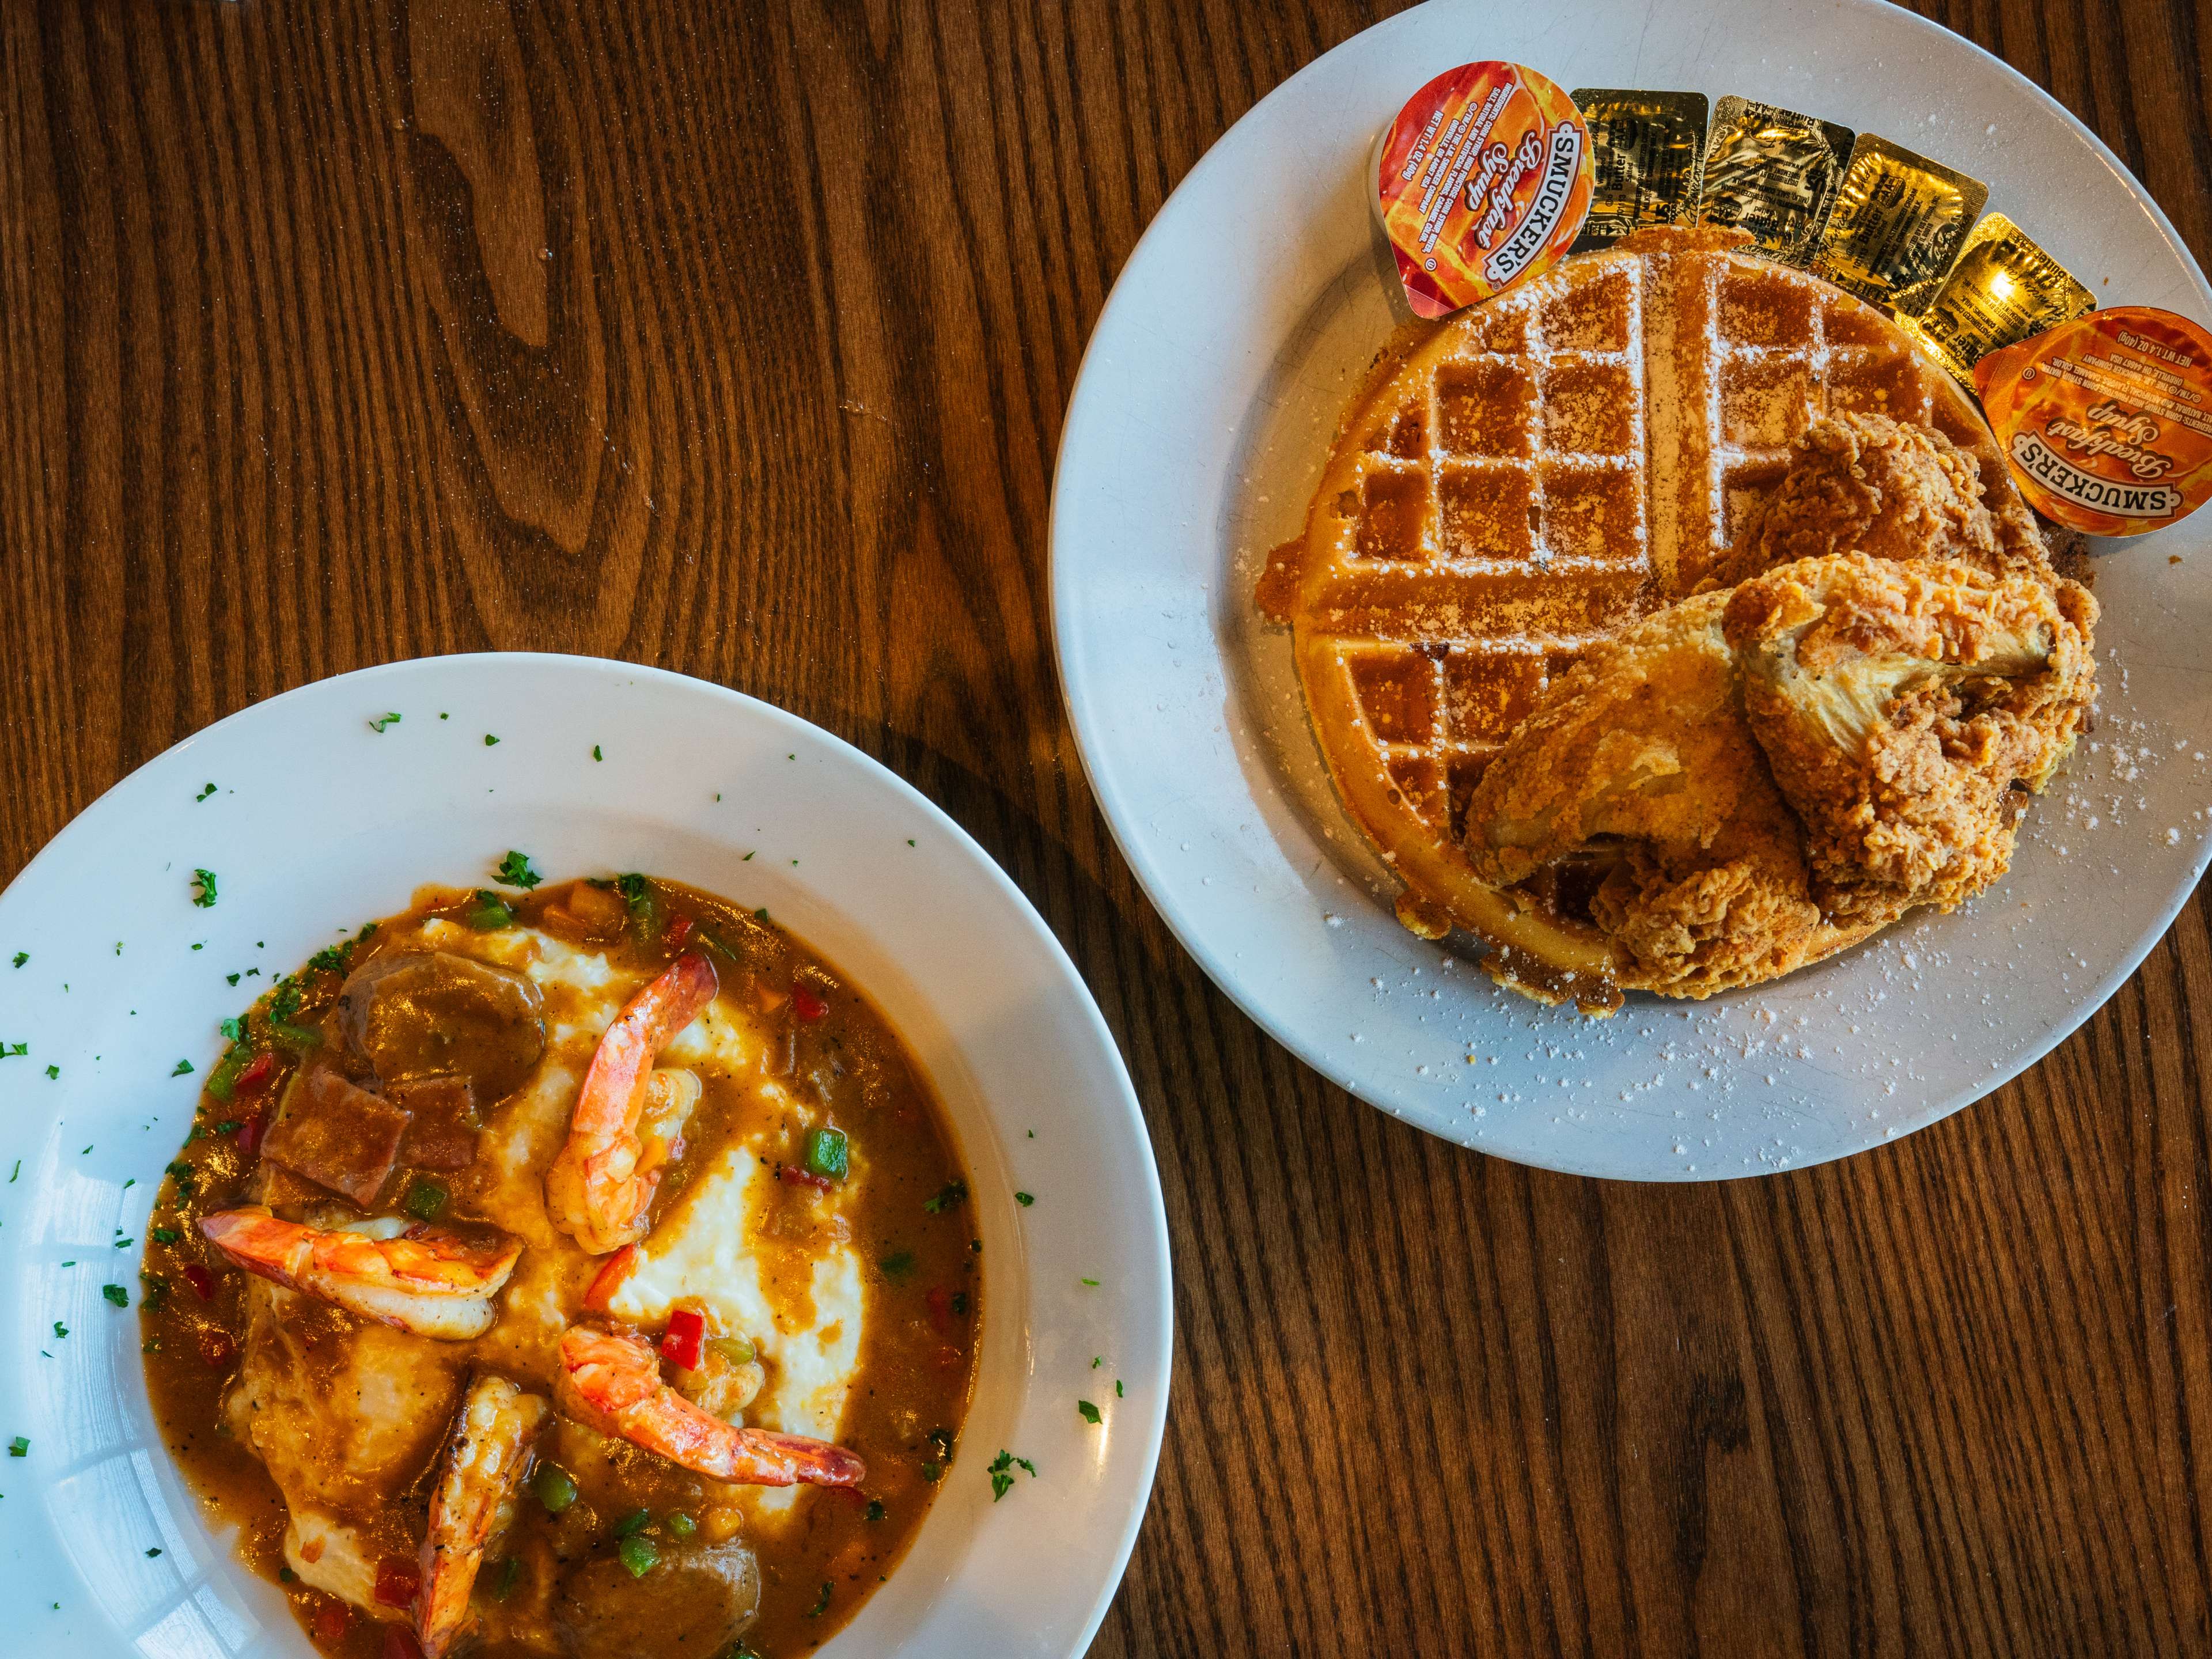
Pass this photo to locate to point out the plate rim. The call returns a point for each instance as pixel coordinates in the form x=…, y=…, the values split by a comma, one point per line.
x=1145, y=868
x=1151, y=1234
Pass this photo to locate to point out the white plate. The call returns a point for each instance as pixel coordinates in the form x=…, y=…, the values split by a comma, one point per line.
x=316, y=822
x=1194, y=438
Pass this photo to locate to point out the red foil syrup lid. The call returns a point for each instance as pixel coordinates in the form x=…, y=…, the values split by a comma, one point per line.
x=1485, y=179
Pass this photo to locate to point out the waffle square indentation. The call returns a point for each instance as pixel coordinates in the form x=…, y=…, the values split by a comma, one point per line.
x=1486, y=406
x=1765, y=401
x=1593, y=511
x=1397, y=692
x=1760, y=307
x=1485, y=512
x=1885, y=383
x=1394, y=510
x=1590, y=408
x=1590, y=316
x=1487, y=694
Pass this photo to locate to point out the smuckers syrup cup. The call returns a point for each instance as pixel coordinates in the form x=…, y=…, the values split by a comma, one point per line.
x=1484, y=180
x=1650, y=154
x=2107, y=420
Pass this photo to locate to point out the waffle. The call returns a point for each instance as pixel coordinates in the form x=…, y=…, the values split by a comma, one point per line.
x=1531, y=476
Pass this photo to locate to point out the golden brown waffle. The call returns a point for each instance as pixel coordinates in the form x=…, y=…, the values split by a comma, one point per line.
x=1533, y=474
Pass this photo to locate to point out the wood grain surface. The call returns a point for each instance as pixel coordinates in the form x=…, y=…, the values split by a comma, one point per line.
x=734, y=337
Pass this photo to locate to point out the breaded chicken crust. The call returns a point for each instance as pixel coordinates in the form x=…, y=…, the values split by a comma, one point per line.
x=1753, y=779
x=1866, y=484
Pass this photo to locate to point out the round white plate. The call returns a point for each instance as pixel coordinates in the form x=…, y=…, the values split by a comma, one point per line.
x=1193, y=439
x=316, y=822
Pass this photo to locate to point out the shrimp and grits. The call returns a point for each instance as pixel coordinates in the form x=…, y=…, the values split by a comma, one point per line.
x=587, y=1273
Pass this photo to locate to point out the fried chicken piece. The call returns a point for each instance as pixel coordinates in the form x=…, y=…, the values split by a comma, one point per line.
x=1637, y=799
x=1866, y=484
x=1907, y=710
x=1753, y=779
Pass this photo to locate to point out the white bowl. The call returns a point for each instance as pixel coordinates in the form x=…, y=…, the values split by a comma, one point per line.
x=1194, y=438
x=318, y=823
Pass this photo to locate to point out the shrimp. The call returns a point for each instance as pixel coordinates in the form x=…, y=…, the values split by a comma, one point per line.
x=432, y=1281
x=485, y=1458
x=611, y=1381
x=600, y=1186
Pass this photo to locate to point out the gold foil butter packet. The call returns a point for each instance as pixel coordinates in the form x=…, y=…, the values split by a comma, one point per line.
x=1898, y=222
x=1772, y=173
x=2002, y=289
x=1650, y=151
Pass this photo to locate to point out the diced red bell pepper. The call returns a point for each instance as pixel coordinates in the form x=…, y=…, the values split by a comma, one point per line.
x=808, y=1006
x=610, y=1279
x=397, y=1580
x=332, y=1619
x=792, y=1176
x=218, y=1349
x=256, y=1073
x=938, y=1300
x=249, y=1133
x=682, y=1343
x=679, y=930
x=201, y=1280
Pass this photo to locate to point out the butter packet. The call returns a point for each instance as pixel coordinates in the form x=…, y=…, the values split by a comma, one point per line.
x=1772, y=173
x=1649, y=149
x=1898, y=222
x=2004, y=289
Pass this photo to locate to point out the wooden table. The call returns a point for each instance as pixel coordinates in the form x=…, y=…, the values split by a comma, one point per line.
x=735, y=338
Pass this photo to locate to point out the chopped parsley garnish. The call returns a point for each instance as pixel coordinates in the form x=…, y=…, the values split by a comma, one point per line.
x=1092, y=1283
x=942, y=1440
x=231, y=978
x=9, y=1050
x=596, y=755
x=167, y=1234
x=19, y=1447
x=22, y=957
x=426, y=1201
x=822, y=1606
x=960, y=1304
x=156, y=1292
x=897, y=1265
x=1117, y=1388
x=636, y=1521
x=233, y=1029
x=490, y=740
x=875, y=1511
x=333, y=957
x=204, y=793
x=1096, y=1360
x=950, y=1197
x=826, y=1154
x=150, y=1555
x=383, y=720
x=490, y=912
x=204, y=883
x=515, y=871
x=1089, y=1411
x=53, y=1072
x=116, y=1294
x=184, y=1069
x=1024, y=1200
x=61, y=1329
x=1001, y=1468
